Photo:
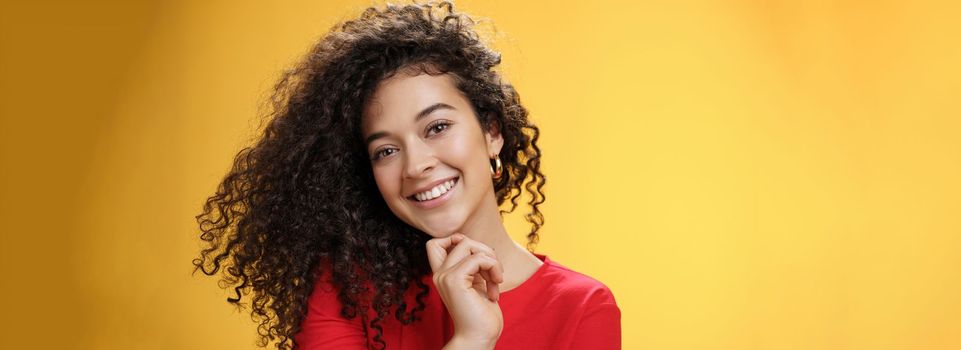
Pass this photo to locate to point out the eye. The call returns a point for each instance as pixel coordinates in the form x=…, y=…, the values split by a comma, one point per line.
x=438, y=126
x=383, y=152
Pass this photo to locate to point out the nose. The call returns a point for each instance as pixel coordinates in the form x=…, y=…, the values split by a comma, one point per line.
x=420, y=159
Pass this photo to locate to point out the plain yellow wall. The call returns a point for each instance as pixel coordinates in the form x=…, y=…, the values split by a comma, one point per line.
x=742, y=174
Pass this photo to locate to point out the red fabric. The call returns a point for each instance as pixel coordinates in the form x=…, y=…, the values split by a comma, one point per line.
x=556, y=308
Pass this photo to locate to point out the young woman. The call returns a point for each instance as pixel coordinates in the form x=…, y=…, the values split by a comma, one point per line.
x=368, y=214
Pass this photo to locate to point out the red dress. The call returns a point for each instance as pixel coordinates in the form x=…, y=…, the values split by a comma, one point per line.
x=556, y=308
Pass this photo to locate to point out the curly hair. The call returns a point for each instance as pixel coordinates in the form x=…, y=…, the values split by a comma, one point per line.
x=302, y=200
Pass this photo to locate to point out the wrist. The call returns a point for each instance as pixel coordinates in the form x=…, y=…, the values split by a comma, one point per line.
x=459, y=342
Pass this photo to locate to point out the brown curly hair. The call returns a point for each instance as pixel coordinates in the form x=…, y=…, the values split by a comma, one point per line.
x=302, y=200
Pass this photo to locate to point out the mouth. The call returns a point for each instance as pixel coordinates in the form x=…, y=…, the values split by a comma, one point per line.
x=436, y=196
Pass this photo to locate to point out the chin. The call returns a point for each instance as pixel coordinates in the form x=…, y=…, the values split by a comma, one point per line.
x=440, y=230
x=439, y=233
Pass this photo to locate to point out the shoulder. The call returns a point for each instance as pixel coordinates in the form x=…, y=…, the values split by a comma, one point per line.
x=326, y=299
x=573, y=285
x=324, y=323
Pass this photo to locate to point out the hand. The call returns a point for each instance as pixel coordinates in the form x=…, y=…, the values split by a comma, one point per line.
x=467, y=274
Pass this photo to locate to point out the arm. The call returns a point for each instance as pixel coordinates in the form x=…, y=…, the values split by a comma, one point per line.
x=599, y=328
x=456, y=343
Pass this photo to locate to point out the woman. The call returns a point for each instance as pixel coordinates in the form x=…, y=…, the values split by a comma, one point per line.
x=367, y=215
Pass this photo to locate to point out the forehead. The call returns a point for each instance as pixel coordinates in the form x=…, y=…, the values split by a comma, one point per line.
x=400, y=97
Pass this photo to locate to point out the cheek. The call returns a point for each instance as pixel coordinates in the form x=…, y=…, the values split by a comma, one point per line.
x=386, y=182
x=469, y=155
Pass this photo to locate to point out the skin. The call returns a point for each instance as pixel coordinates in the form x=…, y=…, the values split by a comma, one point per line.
x=471, y=255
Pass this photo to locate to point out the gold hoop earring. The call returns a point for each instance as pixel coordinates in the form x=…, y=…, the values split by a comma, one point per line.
x=499, y=171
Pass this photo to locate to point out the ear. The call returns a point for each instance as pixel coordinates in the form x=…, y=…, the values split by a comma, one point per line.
x=493, y=137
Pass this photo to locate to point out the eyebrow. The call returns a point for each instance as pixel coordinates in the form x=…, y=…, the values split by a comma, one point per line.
x=427, y=111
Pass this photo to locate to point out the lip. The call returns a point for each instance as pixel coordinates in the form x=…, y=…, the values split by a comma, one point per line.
x=436, y=202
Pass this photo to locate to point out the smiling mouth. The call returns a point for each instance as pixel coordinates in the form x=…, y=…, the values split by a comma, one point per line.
x=437, y=192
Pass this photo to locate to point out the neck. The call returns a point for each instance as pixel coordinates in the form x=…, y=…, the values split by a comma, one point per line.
x=486, y=226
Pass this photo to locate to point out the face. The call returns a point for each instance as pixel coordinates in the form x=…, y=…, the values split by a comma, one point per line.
x=429, y=154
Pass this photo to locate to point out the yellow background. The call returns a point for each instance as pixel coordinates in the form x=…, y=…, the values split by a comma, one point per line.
x=742, y=174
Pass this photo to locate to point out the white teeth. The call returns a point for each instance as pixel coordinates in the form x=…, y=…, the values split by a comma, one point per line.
x=435, y=192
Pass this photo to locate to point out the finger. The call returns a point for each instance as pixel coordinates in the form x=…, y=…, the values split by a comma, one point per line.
x=457, y=238
x=494, y=277
x=437, y=251
x=466, y=247
x=493, y=291
x=477, y=264
x=454, y=239
x=492, y=287
x=497, y=273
